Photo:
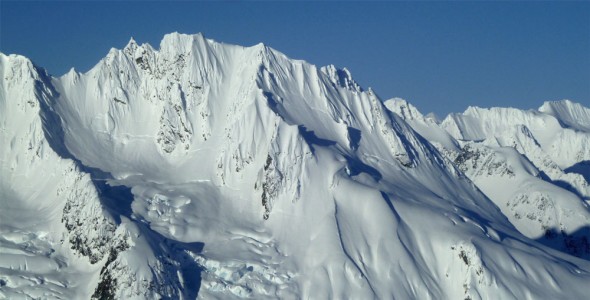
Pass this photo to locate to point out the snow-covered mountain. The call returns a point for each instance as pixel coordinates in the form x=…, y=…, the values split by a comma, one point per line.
x=532, y=164
x=217, y=171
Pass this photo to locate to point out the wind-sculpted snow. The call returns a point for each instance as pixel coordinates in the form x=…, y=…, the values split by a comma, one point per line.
x=217, y=171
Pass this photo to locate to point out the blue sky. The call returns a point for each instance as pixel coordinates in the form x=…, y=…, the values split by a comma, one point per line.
x=441, y=56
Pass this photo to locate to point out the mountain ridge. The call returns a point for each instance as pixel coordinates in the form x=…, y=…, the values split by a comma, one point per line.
x=228, y=171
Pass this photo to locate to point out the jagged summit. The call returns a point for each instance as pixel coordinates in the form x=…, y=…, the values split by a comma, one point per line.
x=131, y=43
x=425, y=126
x=220, y=171
x=403, y=108
x=433, y=117
x=341, y=77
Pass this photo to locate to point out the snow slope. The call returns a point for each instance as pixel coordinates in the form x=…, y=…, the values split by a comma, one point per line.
x=507, y=164
x=217, y=171
x=570, y=114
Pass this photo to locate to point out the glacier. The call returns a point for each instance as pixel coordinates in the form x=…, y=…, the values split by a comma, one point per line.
x=208, y=170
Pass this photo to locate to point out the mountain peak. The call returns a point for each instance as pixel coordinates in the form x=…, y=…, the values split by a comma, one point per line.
x=570, y=114
x=563, y=102
x=131, y=43
x=404, y=108
x=210, y=170
x=341, y=77
x=433, y=117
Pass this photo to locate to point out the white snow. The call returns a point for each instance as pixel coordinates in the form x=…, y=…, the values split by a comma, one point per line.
x=209, y=170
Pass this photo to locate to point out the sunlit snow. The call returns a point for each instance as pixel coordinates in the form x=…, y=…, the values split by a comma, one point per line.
x=209, y=170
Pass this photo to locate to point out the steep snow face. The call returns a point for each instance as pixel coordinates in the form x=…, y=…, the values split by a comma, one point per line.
x=549, y=127
x=537, y=207
x=507, y=155
x=425, y=126
x=52, y=223
x=559, y=152
x=231, y=172
x=570, y=114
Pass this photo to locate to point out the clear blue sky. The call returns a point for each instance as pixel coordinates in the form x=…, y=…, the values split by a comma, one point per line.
x=440, y=56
